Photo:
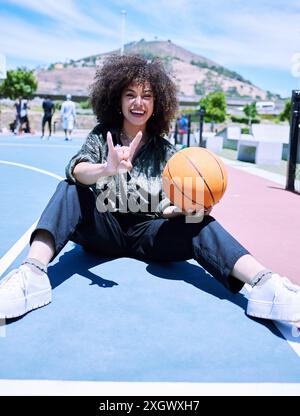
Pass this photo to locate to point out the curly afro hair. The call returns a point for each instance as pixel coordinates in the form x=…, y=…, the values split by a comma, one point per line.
x=119, y=71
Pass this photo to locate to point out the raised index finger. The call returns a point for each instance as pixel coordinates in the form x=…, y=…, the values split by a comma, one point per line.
x=109, y=140
x=134, y=144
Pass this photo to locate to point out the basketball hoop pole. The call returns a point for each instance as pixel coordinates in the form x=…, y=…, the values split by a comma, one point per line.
x=1, y=80
x=201, y=116
x=294, y=138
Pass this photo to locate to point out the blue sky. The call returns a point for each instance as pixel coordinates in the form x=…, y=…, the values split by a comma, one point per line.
x=258, y=39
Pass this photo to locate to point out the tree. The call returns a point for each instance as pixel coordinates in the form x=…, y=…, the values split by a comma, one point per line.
x=199, y=88
x=19, y=82
x=215, y=107
x=250, y=112
x=286, y=113
x=232, y=92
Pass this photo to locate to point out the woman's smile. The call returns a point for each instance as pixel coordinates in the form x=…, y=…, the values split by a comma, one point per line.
x=137, y=104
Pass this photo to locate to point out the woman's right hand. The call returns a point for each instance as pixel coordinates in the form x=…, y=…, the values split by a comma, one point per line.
x=119, y=158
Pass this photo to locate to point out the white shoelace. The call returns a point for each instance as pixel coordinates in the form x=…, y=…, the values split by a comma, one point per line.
x=20, y=279
x=289, y=285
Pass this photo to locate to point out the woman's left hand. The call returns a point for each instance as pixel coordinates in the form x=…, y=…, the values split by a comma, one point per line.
x=207, y=211
x=173, y=211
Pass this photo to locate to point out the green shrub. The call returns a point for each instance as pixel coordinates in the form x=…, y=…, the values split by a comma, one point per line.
x=57, y=105
x=243, y=120
x=84, y=105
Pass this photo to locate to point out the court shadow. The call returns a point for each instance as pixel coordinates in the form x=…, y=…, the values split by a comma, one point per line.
x=75, y=261
x=78, y=261
x=198, y=277
x=278, y=188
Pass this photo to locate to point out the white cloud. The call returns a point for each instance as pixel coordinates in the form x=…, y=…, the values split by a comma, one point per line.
x=70, y=17
x=256, y=34
x=27, y=42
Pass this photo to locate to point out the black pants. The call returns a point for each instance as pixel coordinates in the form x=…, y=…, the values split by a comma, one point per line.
x=71, y=214
x=47, y=119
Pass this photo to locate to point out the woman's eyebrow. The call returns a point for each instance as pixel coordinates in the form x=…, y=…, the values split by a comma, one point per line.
x=131, y=90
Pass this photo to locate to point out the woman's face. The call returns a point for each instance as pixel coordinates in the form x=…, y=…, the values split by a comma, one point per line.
x=137, y=103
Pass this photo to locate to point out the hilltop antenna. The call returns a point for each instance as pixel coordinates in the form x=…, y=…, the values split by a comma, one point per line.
x=123, y=18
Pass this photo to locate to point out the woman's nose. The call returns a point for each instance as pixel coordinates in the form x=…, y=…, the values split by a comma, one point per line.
x=138, y=99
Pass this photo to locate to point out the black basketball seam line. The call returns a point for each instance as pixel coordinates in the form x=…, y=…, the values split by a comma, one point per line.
x=184, y=196
x=223, y=183
x=174, y=183
x=209, y=190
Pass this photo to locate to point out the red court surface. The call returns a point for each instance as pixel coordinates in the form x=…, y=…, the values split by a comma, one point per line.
x=264, y=218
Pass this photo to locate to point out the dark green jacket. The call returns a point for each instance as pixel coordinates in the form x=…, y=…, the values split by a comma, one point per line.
x=138, y=191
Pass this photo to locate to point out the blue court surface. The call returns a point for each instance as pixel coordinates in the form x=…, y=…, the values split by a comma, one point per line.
x=123, y=322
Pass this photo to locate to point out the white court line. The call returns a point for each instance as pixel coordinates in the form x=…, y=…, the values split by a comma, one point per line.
x=162, y=389
x=289, y=331
x=20, y=165
x=15, y=250
x=55, y=146
x=44, y=387
x=19, y=246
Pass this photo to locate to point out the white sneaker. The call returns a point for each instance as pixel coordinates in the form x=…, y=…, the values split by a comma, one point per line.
x=23, y=290
x=277, y=299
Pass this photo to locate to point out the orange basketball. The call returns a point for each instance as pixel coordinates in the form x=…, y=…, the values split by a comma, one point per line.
x=194, y=178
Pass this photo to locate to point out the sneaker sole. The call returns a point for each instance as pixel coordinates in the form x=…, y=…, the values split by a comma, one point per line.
x=35, y=301
x=269, y=310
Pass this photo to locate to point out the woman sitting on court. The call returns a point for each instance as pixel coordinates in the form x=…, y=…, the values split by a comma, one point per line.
x=113, y=202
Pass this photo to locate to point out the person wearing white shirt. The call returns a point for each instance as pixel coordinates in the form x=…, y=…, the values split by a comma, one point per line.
x=68, y=116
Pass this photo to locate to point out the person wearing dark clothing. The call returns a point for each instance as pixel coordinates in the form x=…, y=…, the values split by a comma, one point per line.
x=22, y=121
x=48, y=107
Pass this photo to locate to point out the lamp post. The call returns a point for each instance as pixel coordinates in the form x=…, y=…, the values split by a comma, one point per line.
x=123, y=17
x=201, y=117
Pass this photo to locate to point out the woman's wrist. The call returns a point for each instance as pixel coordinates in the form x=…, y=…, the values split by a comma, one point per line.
x=88, y=173
x=106, y=171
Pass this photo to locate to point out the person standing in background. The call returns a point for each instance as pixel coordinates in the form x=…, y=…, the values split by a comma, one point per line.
x=182, y=127
x=22, y=124
x=48, y=107
x=68, y=116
